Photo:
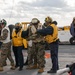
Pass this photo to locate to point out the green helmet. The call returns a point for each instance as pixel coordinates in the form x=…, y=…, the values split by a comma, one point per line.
x=3, y=21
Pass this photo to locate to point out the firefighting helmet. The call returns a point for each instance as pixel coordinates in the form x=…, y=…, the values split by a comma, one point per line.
x=48, y=19
x=34, y=21
x=3, y=22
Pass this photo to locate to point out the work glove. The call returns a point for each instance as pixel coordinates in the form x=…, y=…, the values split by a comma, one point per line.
x=30, y=43
x=71, y=66
x=33, y=29
x=39, y=26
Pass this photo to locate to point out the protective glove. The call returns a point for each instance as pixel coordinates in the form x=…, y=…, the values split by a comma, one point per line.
x=71, y=66
x=33, y=29
x=30, y=43
x=39, y=26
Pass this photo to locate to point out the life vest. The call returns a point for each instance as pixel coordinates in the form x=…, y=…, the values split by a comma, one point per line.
x=8, y=37
x=54, y=36
x=17, y=40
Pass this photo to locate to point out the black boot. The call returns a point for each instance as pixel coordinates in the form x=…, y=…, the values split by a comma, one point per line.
x=51, y=71
x=20, y=68
x=26, y=63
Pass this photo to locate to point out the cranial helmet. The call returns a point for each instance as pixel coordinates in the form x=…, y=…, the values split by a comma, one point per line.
x=48, y=19
x=34, y=21
x=18, y=25
x=3, y=21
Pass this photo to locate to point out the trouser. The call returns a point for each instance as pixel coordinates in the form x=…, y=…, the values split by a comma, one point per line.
x=18, y=56
x=39, y=54
x=36, y=53
x=31, y=58
x=6, y=53
x=54, y=55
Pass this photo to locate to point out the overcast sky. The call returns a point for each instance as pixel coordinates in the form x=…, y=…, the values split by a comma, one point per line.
x=14, y=11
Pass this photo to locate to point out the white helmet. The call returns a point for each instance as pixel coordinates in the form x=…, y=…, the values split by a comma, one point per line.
x=34, y=21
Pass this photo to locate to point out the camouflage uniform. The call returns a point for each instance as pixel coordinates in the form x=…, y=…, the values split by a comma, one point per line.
x=6, y=50
x=30, y=56
x=39, y=53
x=36, y=52
x=31, y=50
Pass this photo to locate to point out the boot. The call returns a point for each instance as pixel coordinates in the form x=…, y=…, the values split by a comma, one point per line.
x=34, y=67
x=1, y=68
x=41, y=70
x=12, y=68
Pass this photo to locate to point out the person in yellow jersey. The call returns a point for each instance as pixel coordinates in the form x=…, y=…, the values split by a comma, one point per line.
x=51, y=37
x=18, y=43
